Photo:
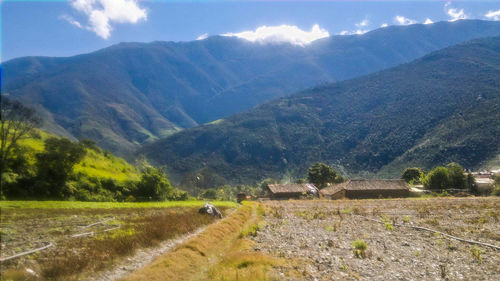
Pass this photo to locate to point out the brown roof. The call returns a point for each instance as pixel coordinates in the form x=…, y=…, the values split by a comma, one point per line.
x=291, y=188
x=332, y=189
x=372, y=184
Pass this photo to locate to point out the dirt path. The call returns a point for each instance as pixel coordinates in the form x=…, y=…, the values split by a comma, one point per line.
x=140, y=259
x=143, y=257
x=192, y=259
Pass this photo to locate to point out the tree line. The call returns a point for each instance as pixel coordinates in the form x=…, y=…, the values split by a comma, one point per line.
x=50, y=174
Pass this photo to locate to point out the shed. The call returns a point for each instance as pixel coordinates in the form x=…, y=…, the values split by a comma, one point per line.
x=292, y=190
x=372, y=188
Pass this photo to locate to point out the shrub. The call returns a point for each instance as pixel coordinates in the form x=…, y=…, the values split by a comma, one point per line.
x=360, y=247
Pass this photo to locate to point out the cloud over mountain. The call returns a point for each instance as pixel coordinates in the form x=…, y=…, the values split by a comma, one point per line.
x=282, y=34
x=493, y=15
x=404, y=21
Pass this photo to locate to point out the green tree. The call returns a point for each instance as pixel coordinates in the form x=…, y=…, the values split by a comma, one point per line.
x=412, y=175
x=16, y=123
x=457, y=176
x=438, y=178
x=154, y=185
x=470, y=184
x=321, y=174
x=209, y=194
x=55, y=165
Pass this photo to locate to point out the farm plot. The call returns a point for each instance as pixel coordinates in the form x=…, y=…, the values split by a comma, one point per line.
x=85, y=238
x=339, y=240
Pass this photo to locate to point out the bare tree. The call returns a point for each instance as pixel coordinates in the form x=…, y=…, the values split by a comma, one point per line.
x=17, y=122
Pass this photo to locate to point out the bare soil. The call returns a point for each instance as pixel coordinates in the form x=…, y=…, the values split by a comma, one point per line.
x=316, y=237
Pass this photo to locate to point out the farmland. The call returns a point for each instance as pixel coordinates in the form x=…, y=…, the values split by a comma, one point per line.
x=335, y=240
x=271, y=240
x=89, y=237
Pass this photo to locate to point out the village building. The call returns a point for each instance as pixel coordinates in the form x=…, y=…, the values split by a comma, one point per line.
x=484, y=181
x=363, y=189
x=291, y=190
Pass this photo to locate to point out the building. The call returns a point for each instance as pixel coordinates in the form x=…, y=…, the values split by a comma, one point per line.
x=362, y=189
x=291, y=190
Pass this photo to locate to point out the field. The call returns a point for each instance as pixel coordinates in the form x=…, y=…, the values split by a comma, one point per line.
x=89, y=237
x=271, y=240
x=335, y=240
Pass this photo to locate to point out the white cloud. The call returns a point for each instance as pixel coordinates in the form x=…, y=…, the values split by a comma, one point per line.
x=404, y=21
x=456, y=14
x=384, y=25
x=357, y=32
x=202, y=37
x=494, y=15
x=363, y=23
x=71, y=21
x=428, y=21
x=102, y=13
x=282, y=33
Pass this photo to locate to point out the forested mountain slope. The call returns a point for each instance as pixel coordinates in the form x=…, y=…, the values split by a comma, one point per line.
x=440, y=108
x=134, y=93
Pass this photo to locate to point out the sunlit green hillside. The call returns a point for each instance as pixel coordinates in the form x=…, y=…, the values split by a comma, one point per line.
x=97, y=163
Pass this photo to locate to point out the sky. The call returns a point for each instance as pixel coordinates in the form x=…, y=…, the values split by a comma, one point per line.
x=65, y=28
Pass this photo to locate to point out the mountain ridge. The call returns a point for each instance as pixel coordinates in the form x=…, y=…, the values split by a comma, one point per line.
x=130, y=94
x=360, y=126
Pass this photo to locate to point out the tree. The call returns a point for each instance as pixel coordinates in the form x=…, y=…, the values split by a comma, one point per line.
x=457, y=176
x=321, y=174
x=438, y=178
x=209, y=194
x=470, y=184
x=55, y=164
x=412, y=175
x=154, y=185
x=16, y=123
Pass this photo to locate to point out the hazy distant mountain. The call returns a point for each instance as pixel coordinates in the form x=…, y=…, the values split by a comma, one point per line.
x=440, y=108
x=134, y=93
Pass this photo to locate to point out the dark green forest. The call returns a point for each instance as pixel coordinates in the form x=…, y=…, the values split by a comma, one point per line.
x=439, y=109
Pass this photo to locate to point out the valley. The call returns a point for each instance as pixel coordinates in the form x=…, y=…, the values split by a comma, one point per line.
x=249, y=140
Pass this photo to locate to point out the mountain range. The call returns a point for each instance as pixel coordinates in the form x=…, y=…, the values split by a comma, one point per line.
x=132, y=94
x=440, y=108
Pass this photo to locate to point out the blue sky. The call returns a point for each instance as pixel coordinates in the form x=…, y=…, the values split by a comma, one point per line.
x=64, y=28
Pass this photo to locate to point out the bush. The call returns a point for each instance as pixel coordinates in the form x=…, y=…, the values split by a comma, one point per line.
x=496, y=191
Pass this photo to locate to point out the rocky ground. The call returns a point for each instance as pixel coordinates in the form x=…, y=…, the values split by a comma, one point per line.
x=317, y=238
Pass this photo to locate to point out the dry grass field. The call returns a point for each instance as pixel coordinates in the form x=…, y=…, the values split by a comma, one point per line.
x=334, y=240
x=88, y=237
